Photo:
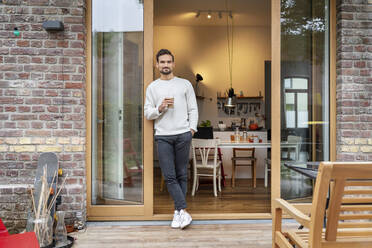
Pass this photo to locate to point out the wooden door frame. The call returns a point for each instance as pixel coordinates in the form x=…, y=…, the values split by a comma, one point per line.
x=275, y=96
x=145, y=211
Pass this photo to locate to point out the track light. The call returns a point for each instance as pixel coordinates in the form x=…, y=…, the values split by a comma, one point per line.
x=209, y=13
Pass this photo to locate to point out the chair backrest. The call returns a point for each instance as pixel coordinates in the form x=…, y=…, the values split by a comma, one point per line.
x=350, y=187
x=244, y=152
x=295, y=140
x=201, y=149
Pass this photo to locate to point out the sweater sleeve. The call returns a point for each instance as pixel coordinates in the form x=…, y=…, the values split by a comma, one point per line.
x=150, y=109
x=192, y=107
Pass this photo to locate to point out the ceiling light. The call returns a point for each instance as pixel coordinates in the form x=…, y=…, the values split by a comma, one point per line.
x=209, y=16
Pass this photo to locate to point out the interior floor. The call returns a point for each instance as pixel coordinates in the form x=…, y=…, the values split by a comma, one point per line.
x=241, y=199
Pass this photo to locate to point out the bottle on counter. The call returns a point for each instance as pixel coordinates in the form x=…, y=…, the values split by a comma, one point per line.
x=237, y=134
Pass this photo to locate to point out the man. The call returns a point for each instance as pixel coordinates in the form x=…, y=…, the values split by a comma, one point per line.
x=170, y=101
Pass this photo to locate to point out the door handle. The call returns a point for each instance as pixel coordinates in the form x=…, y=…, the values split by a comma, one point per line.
x=120, y=114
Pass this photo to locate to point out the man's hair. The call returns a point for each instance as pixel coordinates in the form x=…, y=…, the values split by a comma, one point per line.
x=164, y=52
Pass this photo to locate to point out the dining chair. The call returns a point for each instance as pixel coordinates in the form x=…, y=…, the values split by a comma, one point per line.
x=244, y=157
x=205, y=165
x=292, y=139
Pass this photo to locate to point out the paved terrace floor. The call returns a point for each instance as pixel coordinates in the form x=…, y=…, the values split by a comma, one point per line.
x=239, y=233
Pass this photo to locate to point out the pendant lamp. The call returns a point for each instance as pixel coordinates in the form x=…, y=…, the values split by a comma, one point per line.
x=231, y=100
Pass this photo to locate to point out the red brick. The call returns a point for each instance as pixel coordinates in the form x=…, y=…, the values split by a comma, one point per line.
x=11, y=100
x=50, y=60
x=36, y=60
x=23, y=125
x=9, y=67
x=53, y=109
x=23, y=43
x=360, y=64
x=73, y=85
x=37, y=133
x=24, y=109
x=15, y=117
x=63, y=77
x=42, y=101
x=50, y=43
x=366, y=72
x=77, y=44
x=38, y=109
x=12, y=133
x=24, y=60
x=24, y=157
x=66, y=125
x=62, y=43
x=51, y=93
x=37, y=125
x=51, y=125
x=10, y=108
x=10, y=92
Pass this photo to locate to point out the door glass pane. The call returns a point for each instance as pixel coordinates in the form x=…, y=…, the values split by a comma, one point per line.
x=290, y=110
x=305, y=92
x=302, y=110
x=117, y=86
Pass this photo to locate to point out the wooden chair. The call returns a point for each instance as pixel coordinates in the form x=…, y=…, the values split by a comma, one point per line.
x=203, y=165
x=129, y=151
x=287, y=152
x=243, y=157
x=350, y=187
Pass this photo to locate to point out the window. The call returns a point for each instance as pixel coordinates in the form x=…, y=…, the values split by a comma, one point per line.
x=296, y=102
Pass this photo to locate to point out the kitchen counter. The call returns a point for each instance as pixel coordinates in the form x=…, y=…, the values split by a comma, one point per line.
x=232, y=130
x=260, y=154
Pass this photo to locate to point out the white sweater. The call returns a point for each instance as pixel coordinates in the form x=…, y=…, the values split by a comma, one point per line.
x=172, y=121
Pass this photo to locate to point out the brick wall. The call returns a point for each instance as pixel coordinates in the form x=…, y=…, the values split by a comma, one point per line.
x=354, y=80
x=42, y=101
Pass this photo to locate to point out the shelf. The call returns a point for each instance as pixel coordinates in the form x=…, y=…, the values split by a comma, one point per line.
x=243, y=97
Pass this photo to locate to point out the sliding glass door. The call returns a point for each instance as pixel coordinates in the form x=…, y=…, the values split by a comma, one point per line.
x=304, y=88
x=117, y=171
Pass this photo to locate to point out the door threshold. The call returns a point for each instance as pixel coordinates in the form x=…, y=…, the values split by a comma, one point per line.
x=222, y=216
x=166, y=222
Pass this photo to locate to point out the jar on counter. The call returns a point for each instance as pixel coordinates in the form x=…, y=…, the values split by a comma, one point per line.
x=245, y=135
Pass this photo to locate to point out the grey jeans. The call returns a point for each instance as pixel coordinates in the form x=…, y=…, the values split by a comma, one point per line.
x=173, y=153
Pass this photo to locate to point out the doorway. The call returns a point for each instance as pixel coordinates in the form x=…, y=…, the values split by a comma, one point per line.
x=109, y=194
x=205, y=36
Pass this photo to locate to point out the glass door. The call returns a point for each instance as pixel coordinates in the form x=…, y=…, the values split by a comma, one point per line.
x=304, y=88
x=117, y=168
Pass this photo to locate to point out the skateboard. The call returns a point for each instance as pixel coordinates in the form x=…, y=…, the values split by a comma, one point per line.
x=49, y=161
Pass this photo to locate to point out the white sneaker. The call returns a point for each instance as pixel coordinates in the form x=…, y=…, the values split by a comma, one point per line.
x=185, y=219
x=176, y=222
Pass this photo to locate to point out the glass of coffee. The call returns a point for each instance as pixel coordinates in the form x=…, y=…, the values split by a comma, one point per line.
x=170, y=100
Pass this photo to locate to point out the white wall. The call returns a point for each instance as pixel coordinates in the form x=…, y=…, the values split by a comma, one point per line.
x=204, y=50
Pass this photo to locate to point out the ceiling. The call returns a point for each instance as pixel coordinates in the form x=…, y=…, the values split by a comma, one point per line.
x=183, y=12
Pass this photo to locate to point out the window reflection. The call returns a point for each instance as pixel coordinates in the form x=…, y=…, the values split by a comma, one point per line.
x=305, y=91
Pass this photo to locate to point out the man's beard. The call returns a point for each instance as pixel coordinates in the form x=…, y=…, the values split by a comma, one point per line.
x=166, y=72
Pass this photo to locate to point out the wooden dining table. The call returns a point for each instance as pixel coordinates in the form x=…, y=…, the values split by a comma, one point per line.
x=246, y=144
